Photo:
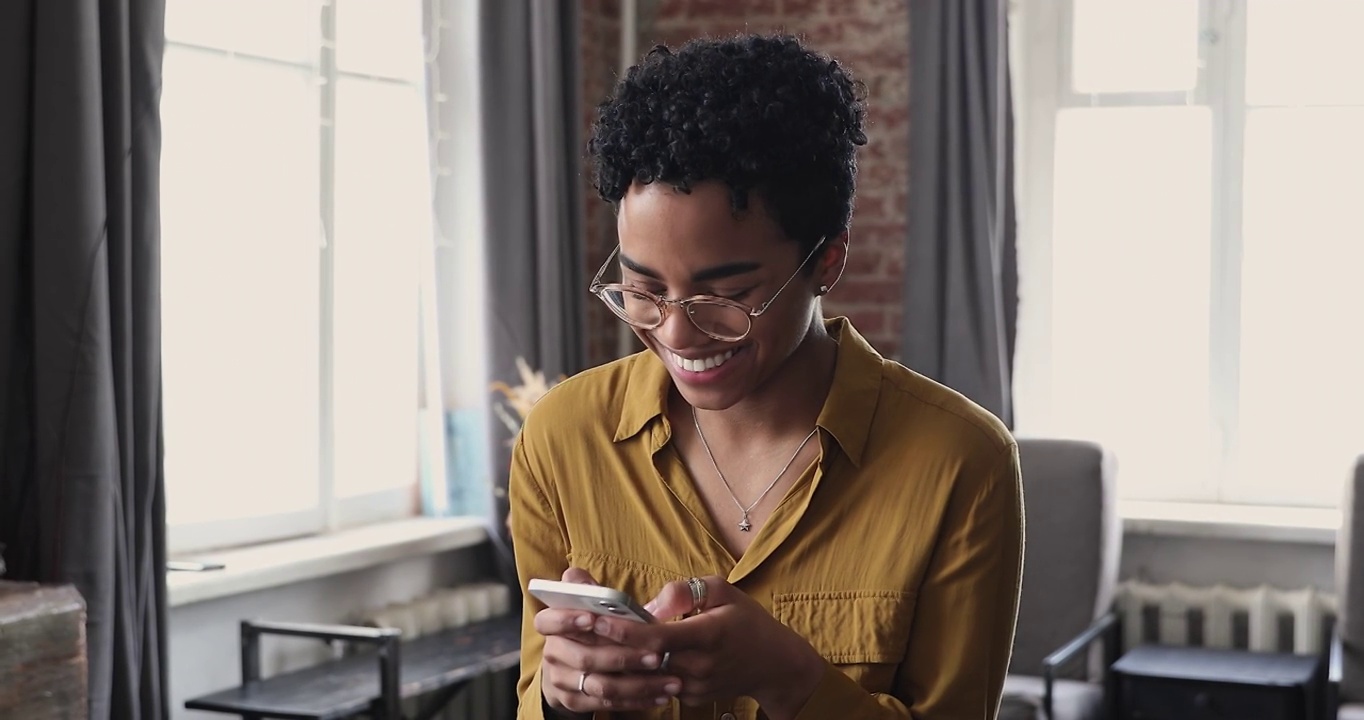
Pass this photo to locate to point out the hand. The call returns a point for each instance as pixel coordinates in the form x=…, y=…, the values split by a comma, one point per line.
x=734, y=647
x=618, y=677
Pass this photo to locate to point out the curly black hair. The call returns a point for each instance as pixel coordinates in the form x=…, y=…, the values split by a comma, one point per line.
x=761, y=113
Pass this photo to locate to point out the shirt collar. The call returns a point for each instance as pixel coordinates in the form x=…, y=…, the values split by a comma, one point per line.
x=847, y=411
x=646, y=394
x=852, y=399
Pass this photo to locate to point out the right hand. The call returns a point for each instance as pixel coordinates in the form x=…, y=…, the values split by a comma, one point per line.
x=618, y=677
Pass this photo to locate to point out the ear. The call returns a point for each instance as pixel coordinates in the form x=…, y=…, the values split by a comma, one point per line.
x=833, y=261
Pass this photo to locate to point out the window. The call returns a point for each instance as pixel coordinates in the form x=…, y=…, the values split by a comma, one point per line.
x=1190, y=255
x=295, y=208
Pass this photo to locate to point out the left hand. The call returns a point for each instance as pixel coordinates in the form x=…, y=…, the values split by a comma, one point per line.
x=734, y=647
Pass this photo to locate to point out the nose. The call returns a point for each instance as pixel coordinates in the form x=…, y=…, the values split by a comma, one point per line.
x=678, y=331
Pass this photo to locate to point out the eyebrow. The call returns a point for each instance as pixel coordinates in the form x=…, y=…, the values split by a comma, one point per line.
x=718, y=272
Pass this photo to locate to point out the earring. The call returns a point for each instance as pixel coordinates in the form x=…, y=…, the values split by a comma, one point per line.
x=823, y=290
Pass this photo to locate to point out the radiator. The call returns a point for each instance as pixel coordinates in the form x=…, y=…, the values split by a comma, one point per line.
x=486, y=698
x=1264, y=618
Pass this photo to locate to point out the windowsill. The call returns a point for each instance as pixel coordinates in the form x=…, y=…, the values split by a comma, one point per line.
x=275, y=564
x=261, y=567
x=1315, y=526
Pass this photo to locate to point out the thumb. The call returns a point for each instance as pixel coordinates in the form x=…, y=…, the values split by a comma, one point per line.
x=579, y=575
x=674, y=600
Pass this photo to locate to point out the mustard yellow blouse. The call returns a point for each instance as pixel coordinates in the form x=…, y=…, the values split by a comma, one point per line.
x=897, y=555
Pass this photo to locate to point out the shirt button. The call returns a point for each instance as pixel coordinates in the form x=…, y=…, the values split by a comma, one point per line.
x=728, y=716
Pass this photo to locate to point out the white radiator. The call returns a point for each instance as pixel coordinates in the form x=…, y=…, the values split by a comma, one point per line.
x=485, y=698
x=1264, y=618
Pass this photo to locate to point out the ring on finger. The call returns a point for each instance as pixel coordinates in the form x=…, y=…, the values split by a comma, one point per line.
x=698, y=594
x=582, y=683
x=663, y=665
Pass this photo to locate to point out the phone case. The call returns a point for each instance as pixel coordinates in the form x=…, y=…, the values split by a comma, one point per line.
x=592, y=598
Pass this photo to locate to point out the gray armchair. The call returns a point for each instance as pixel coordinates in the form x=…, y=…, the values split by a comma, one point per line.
x=1346, y=686
x=1070, y=574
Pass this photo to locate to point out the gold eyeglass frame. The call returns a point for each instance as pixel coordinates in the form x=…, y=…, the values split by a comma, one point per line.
x=600, y=289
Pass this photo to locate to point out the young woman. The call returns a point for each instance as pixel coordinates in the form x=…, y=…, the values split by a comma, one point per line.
x=826, y=533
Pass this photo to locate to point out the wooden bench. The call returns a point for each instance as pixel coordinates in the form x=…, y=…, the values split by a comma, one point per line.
x=437, y=665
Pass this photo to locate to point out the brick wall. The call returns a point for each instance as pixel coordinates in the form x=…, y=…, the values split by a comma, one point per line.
x=599, y=38
x=871, y=38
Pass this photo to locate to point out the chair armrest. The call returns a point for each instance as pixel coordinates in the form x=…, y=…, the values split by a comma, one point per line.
x=1105, y=627
x=1333, y=667
x=1081, y=642
x=1334, y=661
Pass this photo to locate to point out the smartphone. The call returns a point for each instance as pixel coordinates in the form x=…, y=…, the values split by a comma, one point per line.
x=592, y=598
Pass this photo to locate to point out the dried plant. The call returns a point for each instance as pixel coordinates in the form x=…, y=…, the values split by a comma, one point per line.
x=521, y=398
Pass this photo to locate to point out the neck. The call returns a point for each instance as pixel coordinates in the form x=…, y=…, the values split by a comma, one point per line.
x=789, y=402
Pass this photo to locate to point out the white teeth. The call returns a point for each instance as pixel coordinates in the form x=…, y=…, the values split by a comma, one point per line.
x=702, y=364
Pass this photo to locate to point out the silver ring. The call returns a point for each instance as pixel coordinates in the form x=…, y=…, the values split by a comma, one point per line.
x=582, y=683
x=698, y=594
x=667, y=657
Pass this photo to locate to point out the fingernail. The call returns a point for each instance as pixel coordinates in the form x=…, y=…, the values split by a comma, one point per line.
x=651, y=607
x=649, y=661
x=583, y=621
x=661, y=701
x=672, y=688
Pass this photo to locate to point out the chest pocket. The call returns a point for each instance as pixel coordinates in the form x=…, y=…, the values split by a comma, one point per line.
x=864, y=632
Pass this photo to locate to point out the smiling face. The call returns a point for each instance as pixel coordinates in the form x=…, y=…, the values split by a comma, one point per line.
x=677, y=245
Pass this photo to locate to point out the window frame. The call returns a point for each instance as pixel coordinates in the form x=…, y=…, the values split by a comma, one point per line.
x=1042, y=58
x=332, y=513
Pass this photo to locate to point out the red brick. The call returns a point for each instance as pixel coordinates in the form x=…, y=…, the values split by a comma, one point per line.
x=868, y=322
x=823, y=36
x=855, y=9
x=875, y=172
x=867, y=60
x=803, y=9
x=673, y=37
x=861, y=29
x=671, y=9
x=893, y=260
x=891, y=151
x=862, y=263
x=717, y=9
x=870, y=205
x=869, y=290
x=879, y=235
x=892, y=117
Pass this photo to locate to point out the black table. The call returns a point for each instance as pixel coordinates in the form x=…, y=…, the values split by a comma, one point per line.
x=1178, y=683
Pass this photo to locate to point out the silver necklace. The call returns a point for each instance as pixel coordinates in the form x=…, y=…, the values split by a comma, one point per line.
x=744, y=524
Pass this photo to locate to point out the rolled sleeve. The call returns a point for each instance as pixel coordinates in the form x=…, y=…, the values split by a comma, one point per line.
x=839, y=696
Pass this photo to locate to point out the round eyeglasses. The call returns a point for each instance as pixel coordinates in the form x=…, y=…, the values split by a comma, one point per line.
x=719, y=318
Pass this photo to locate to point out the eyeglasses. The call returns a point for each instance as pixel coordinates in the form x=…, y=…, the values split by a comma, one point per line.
x=720, y=318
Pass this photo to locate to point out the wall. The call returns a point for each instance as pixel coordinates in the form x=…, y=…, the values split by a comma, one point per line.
x=1240, y=563
x=599, y=63
x=204, y=636
x=871, y=38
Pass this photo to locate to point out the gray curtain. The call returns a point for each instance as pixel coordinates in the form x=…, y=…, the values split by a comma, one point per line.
x=81, y=496
x=528, y=77
x=961, y=268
